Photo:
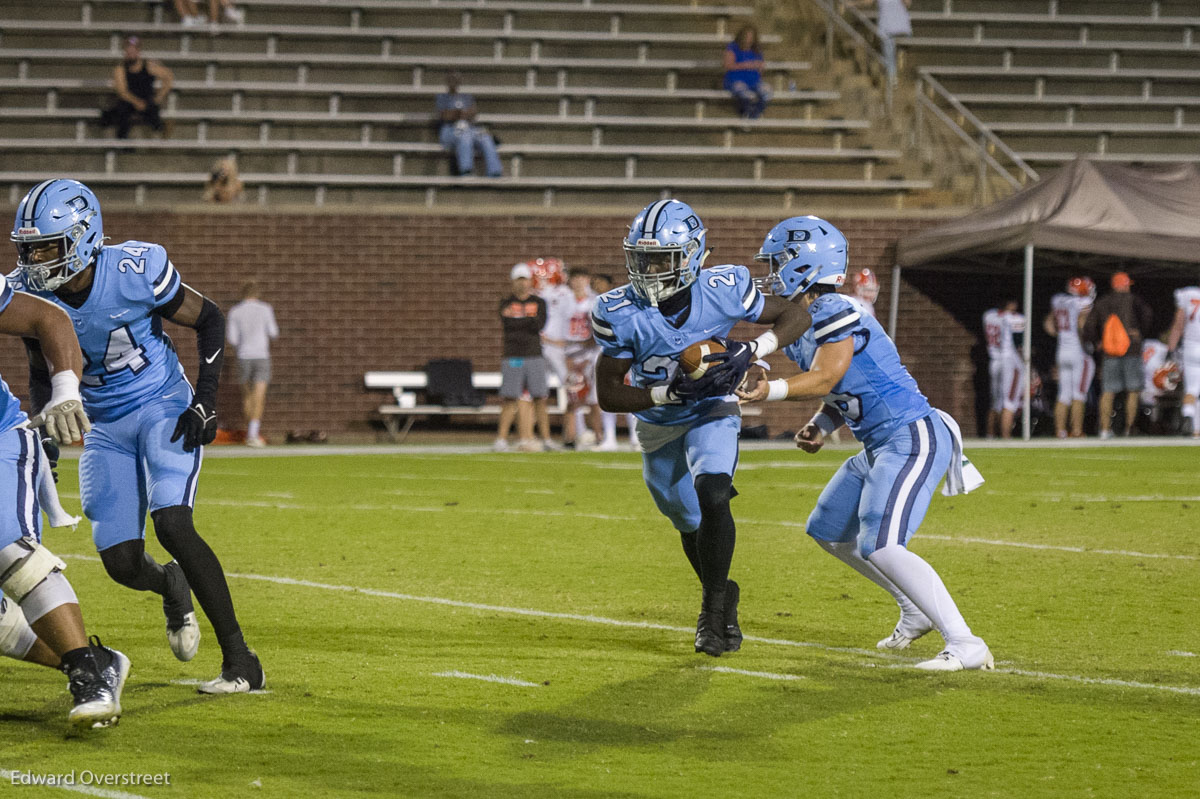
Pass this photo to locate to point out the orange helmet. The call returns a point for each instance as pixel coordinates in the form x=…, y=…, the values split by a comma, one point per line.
x=547, y=272
x=866, y=285
x=1081, y=287
x=1167, y=377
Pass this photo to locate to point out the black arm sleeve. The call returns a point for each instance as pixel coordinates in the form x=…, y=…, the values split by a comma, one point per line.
x=39, y=376
x=210, y=341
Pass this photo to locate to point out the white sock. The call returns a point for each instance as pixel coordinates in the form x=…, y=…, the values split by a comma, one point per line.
x=252, y=429
x=631, y=423
x=1189, y=412
x=609, y=420
x=925, y=588
x=580, y=424
x=849, y=554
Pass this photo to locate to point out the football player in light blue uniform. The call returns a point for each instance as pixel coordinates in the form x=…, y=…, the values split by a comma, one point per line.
x=688, y=429
x=145, y=450
x=877, y=499
x=40, y=619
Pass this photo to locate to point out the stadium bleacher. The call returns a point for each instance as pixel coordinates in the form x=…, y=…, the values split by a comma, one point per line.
x=1055, y=79
x=592, y=103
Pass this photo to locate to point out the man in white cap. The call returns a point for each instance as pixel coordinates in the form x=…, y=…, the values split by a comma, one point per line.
x=522, y=317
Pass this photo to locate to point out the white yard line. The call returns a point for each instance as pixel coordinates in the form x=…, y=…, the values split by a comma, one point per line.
x=87, y=790
x=766, y=675
x=646, y=625
x=953, y=539
x=462, y=675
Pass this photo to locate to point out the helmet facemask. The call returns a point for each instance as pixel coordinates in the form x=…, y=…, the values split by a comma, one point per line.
x=657, y=271
x=774, y=283
x=51, y=274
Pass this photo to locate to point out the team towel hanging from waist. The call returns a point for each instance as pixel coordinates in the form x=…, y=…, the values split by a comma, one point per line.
x=962, y=477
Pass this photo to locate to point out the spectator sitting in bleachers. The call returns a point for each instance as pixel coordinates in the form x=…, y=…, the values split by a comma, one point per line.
x=189, y=13
x=134, y=82
x=218, y=10
x=743, y=74
x=458, y=132
x=224, y=185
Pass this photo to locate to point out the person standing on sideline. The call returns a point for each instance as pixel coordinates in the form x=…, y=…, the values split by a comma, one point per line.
x=1186, y=328
x=522, y=317
x=250, y=327
x=1006, y=367
x=1116, y=326
x=1068, y=314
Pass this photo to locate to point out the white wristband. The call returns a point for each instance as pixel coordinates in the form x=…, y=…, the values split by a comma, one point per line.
x=658, y=395
x=824, y=422
x=777, y=390
x=64, y=386
x=765, y=344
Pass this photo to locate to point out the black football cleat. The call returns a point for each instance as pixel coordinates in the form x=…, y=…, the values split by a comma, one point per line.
x=96, y=685
x=733, y=632
x=710, y=626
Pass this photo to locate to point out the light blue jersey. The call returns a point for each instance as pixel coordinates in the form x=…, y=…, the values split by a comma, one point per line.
x=627, y=326
x=877, y=396
x=11, y=414
x=127, y=357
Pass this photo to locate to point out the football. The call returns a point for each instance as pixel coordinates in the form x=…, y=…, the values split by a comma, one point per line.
x=691, y=361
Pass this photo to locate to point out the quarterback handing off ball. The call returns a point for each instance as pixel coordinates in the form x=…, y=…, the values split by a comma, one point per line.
x=692, y=360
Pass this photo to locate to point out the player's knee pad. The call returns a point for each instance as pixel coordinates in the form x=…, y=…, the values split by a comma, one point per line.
x=714, y=491
x=51, y=593
x=174, y=527
x=16, y=636
x=24, y=565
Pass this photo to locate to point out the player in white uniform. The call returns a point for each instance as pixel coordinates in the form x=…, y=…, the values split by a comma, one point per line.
x=1006, y=367
x=582, y=354
x=866, y=290
x=1068, y=312
x=1186, y=328
x=549, y=283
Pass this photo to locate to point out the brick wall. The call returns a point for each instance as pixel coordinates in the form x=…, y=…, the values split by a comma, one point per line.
x=357, y=293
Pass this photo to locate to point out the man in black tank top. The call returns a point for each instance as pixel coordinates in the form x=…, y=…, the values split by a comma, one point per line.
x=134, y=82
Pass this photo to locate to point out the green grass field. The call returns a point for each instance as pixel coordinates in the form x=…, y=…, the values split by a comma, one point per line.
x=1081, y=568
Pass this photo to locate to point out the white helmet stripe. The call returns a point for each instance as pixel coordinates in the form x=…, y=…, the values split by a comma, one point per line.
x=650, y=223
x=31, y=203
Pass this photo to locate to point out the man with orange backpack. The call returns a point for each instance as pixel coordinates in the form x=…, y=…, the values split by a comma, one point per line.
x=1115, y=326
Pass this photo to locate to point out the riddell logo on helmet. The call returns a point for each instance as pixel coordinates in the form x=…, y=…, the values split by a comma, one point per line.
x=28, y=231
x=839, y=280
x=648, y=243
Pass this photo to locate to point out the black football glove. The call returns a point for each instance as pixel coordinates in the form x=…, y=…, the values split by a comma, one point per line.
x=730, y=366
x=197, y=426
x=710, y=384
x=50, y=447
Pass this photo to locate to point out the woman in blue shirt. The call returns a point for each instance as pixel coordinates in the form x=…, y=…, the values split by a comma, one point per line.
x=743, y=73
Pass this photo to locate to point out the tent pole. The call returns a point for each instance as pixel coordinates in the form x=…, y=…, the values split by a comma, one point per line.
x=1027, y=343
x=894, y=302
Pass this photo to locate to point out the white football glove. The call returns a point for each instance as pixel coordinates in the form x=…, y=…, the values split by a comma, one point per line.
x=64, y=416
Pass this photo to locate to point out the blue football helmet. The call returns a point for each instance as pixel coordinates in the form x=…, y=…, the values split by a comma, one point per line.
x=60, y=211
x=664, y=249
x=802, y=252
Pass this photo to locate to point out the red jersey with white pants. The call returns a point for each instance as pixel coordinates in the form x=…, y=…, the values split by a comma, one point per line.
x=1188, y=301
x=581, y=350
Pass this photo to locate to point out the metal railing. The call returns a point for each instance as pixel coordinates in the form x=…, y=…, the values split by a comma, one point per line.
x=970, y=144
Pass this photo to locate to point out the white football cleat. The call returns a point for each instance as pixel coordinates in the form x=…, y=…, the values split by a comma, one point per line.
x=901, y=637
x=978, y=659
x=241, y=677
x=185, y=641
